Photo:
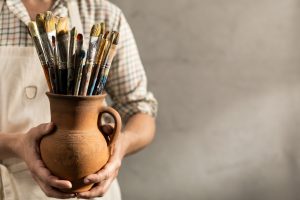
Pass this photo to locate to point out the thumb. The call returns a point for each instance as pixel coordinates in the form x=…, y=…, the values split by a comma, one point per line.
x=108, y=129
x=44, y=129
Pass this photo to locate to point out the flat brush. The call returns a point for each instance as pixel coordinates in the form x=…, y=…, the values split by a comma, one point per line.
x=40, y=21
x=55, y=70
x=102, y=25
x=71, y=62
x=62, y=36
x=100, y=61
x=102, y=48
x=40, y=50
x=81, y=56
x=114, y=40
x=92, y=50
x=49, y=24
x=100, y=39
x=79, y=43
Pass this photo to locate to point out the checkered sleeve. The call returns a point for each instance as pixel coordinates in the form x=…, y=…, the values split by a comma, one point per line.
x=127, y=81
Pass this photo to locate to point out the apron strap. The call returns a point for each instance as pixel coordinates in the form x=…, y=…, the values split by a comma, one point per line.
x=75, y=15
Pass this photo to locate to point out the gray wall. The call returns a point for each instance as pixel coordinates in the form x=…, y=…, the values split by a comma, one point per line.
x=226, y=74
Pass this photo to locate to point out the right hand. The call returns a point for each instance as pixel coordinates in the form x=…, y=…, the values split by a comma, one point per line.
x=28, y=150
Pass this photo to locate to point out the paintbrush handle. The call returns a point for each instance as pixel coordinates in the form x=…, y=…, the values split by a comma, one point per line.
x=71, y=70
x=63, y=75
x=52, y=78
x=41, y=55
x=78, y=81
x=86, y=78
x=105, y=69
x=46, y=73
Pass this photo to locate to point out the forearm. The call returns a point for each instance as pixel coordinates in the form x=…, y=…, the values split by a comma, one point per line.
x=138, y=133
x=8, y=145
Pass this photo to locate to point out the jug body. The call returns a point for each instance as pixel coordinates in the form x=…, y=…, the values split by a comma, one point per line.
x=77, y=147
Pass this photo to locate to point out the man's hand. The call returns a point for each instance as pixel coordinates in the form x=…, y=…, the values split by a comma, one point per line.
x=103, y=178
x=28, y=150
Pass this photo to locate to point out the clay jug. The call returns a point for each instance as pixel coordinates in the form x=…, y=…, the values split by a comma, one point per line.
x=77, y=147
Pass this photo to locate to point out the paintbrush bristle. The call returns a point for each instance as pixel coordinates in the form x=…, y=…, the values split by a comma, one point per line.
x=95, y=31
x=40, y=21
x=79, y=37
x=49, y=22
x=74, y=32
x=102, y=25
x=106, y=35
x=33, y=29
x=111, y=36
x=62, y=26
x=115, y=40
x=56, y=18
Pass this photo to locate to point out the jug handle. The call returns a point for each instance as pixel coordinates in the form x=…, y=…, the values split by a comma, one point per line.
x=117, y=123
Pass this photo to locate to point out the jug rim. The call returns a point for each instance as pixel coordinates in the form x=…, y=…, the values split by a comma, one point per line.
x=64, y=96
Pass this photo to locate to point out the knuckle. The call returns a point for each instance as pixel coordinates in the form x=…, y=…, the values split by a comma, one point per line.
x=47, y=181
x=48, y=193
x=101, y=193
x=118, y=164
x=38, y=127
x=117, y=173
x=106, y=175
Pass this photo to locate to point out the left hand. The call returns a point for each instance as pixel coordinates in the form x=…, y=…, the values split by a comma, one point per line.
x=103, y=178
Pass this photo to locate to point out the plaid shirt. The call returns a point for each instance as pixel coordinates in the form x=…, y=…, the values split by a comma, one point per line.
x=127, y=82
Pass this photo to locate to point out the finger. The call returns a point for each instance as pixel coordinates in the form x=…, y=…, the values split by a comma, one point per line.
x=43, y=129
x=57, y=183
x=98, y=191
x=45, y=176
x=108, y=129
x=99, y=177
x=52, y=192
x=103, y=175
x=113, y=165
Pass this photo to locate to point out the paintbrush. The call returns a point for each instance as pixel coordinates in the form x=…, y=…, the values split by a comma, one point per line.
x=33, y=30
x=54, y=47
x=42, y=24
x=94, y=69
x=40, y=21
x=79, y=43
x=49, y=24
x=62, y=37
x=80, y=57
x=101, y=60
x=92, y=50
x=102, y=48
x=114, y=40
x=102, y=25
x=71, y=62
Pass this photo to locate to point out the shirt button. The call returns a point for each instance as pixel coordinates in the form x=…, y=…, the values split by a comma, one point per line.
x=31, y=91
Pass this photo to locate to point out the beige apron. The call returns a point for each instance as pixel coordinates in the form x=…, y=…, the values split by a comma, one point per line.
x=23, y=105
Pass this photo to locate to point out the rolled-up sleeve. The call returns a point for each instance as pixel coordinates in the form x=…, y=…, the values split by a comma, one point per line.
x=127, y=81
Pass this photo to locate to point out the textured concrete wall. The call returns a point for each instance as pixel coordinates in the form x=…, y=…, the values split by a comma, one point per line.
x=227, y=77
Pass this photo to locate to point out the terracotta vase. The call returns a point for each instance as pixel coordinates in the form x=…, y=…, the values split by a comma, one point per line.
x=78, y=148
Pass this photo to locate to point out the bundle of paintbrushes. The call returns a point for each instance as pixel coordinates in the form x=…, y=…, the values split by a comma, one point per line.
x=68, y=68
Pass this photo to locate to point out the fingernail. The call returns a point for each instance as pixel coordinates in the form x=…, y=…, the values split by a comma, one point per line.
x=86, y=181
x=69, y=185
